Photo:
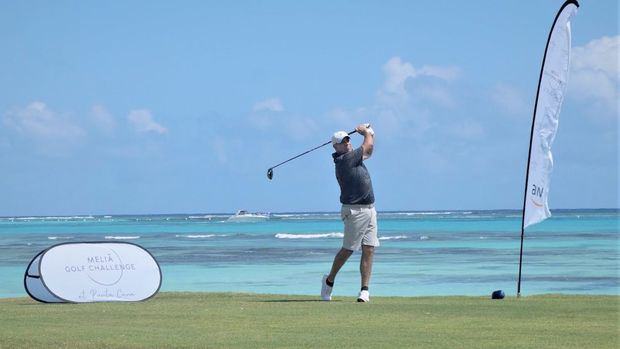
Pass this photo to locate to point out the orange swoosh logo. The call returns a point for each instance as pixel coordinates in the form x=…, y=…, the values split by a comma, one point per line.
x=536, y=204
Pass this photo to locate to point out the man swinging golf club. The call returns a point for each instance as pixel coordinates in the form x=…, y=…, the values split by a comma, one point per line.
x=358, y=210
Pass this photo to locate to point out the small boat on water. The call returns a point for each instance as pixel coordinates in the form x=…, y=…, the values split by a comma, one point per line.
x=245, y=216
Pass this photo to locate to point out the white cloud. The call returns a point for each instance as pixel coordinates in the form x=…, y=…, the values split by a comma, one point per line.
x=271, y=104
x=267, y=113
x=443, y=73
x=102, y=119
x=39, y=122
x=398, y=72
x=600, y=54
x=47, y=132
x=509, y=99
x=143, y=122
x=406, y=102
x=595, y=73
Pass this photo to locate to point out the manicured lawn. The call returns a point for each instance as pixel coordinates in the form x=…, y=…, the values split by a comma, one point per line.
x=226, y=320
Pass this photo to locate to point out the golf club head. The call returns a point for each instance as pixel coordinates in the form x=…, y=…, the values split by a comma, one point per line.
x=270, y=173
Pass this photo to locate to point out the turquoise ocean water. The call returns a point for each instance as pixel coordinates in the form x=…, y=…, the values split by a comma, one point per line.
x=422, y=253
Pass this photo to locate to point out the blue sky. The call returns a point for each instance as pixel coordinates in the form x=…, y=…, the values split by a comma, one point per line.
x=180, y=107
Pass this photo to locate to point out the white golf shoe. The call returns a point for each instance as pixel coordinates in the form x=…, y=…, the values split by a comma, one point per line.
x=326, y=290
x=364, y=296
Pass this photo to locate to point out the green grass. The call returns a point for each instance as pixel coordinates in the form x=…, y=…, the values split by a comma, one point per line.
x=201, y=320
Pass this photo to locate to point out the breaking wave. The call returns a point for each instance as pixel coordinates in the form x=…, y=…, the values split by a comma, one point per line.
x=309, y=236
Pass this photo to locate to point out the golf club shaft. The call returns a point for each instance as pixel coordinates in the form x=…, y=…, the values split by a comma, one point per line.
x=306, y=152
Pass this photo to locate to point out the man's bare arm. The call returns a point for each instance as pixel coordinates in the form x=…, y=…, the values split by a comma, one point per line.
x=369, y=139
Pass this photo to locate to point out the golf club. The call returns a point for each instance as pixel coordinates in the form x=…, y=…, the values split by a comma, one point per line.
x=270, y=170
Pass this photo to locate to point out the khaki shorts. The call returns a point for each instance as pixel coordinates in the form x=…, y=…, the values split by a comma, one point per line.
x=360, y=226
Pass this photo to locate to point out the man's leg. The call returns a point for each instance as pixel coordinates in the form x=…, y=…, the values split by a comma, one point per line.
x=339, y=260
x=328, y=280
x=366, y=264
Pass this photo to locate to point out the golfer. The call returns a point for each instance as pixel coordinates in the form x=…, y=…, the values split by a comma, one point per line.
x=358, y=208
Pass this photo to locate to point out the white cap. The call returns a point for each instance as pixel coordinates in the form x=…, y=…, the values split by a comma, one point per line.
x=339, y=136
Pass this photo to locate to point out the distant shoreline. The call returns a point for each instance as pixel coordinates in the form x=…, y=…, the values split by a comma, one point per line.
x=101, y=215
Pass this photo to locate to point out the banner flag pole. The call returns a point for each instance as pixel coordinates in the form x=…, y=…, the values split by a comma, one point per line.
x=549, y=97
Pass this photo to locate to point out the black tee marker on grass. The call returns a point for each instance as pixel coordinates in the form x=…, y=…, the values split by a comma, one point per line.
x=270, y=170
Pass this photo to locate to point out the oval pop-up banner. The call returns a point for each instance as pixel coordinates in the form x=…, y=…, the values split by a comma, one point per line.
x=83, y=272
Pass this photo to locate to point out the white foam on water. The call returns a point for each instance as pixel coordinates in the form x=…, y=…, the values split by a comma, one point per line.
x=309, y=236
x=398, y=237
x=60, y=237
x=121, y=237
x=208, y=217
x=431, y=213
x=199, y=236
x=303, y=215
x=424, y=237
x=284, y=215
x=54, y=218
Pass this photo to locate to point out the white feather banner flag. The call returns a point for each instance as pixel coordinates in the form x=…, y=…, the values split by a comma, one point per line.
x=549, y=97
